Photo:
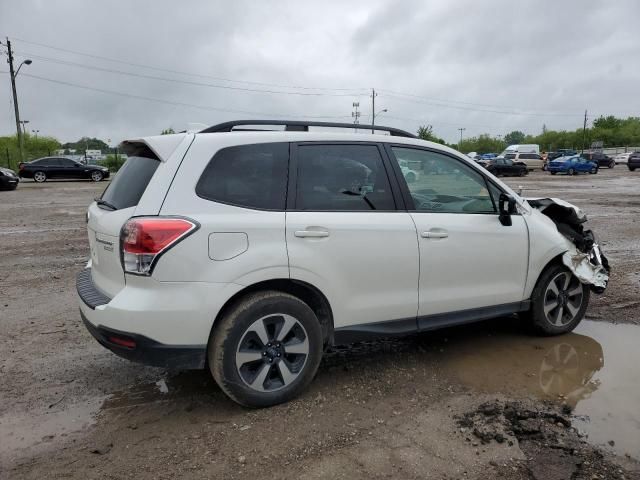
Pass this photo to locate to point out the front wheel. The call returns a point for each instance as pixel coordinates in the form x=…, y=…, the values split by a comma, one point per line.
x=266, y=349
x=571, y=172
x=612, y=164
x=96, y=176
x=631, y=169
x=593, y=170
x=553, y=173
x=559, y=301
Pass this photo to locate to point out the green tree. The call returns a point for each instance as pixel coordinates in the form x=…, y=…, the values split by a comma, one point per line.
x=514, y=138
x=167, y=131
x=86, y=143
x=425, y=132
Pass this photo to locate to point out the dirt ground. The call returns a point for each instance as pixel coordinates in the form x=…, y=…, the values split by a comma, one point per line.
x=484, y=401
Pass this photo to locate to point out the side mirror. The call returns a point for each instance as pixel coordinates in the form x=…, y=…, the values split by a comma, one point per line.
x=506, y=206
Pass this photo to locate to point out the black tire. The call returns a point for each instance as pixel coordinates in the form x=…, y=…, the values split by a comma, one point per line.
x=96, y=176
x=235, y=330
x=39, y=176
x=593, y=170
x=571, y=172
x=612, y=164
x=553, y=173
x=523, y=172
x=543, y=296
x=631, y=169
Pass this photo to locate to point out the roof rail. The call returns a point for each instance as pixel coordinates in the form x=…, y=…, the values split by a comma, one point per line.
x=303, y=126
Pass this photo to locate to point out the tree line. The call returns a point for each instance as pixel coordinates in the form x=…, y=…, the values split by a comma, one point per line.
x=612, y=131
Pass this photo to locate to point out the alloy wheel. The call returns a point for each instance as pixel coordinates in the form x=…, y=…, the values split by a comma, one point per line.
x=562, y=299
x=272, y=353
x=96, y=176
x=39, y=177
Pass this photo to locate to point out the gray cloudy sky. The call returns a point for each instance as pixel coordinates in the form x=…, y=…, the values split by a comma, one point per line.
x=489, y=66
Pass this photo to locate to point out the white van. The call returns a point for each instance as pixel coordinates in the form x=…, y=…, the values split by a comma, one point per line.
x=528, y=148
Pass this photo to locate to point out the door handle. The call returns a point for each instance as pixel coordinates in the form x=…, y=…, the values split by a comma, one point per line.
x=311, y=233
x=435, y=234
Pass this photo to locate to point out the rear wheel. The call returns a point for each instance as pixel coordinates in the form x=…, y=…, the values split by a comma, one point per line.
x=559, y=301
x=266, y=349
x=612, y=164
x=39, y=176
x=553, y=173
x=571, y=172
x=593, y=170
x=631, y=169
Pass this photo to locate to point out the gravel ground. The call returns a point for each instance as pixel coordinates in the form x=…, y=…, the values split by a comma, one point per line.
x=437, y=405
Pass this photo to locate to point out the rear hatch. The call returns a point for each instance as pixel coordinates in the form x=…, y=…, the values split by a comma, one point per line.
x=109, y=213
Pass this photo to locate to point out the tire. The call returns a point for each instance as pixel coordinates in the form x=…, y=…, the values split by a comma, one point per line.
x=39, y=176
x=97, y=176
x=554, y=313
x=553, y=173
x=571, y=172
x=593, y=170
x=631, y=169
x=612, y=164
x=266, y=372
x=523, y=172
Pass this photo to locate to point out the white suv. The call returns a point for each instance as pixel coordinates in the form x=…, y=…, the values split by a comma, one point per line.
x=251, y=252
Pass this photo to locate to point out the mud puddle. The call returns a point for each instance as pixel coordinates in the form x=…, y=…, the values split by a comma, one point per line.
x=593, y=370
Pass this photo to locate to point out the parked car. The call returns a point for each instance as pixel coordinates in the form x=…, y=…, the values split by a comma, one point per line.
x=622, y=158
x=506, y=167
x=600, y=158
x=251, y=252
x=59, y=167
x=634, y=161
x=526, y=148
x=533, y=161
x=572, y=165
x=8, y=179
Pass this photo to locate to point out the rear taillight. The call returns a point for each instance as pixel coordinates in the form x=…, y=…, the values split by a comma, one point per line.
x=144, y=239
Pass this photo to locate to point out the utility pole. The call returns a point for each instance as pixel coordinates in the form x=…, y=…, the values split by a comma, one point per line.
x=356, y=114
x=373, y=109
x=15, y=98
x=461, y=130
x=584, y=130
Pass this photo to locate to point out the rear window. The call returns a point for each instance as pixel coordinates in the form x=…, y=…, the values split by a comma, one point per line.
x=251, y=176
x=126, y=189
x=510, y=155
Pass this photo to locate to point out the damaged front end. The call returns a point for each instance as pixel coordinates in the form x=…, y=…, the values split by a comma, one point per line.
x=583, y=256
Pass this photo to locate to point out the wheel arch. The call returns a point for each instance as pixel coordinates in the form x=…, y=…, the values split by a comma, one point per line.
x=306, y=292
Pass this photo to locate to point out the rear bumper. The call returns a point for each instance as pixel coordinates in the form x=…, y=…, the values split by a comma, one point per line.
x=147, y=351
x=100, y=314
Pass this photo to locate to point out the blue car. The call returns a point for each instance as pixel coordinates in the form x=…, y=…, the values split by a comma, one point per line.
x=572, y=165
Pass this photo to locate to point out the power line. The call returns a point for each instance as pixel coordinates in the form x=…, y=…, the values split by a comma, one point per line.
x=461, y=107
x=170, y=102
x=185, y=82
x=161, y=69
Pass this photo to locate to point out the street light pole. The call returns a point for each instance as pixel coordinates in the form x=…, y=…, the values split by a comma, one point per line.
x=461, y=130
x=13, y=75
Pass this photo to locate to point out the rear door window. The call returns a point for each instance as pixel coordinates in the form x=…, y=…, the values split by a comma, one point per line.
x=344, y=178
x=126, y=189
x=251, y=176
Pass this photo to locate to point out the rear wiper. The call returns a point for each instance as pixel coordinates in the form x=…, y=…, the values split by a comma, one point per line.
x=104, y=203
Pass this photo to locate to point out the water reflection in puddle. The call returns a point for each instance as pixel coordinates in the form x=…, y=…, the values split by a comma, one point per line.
x=594, y=370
